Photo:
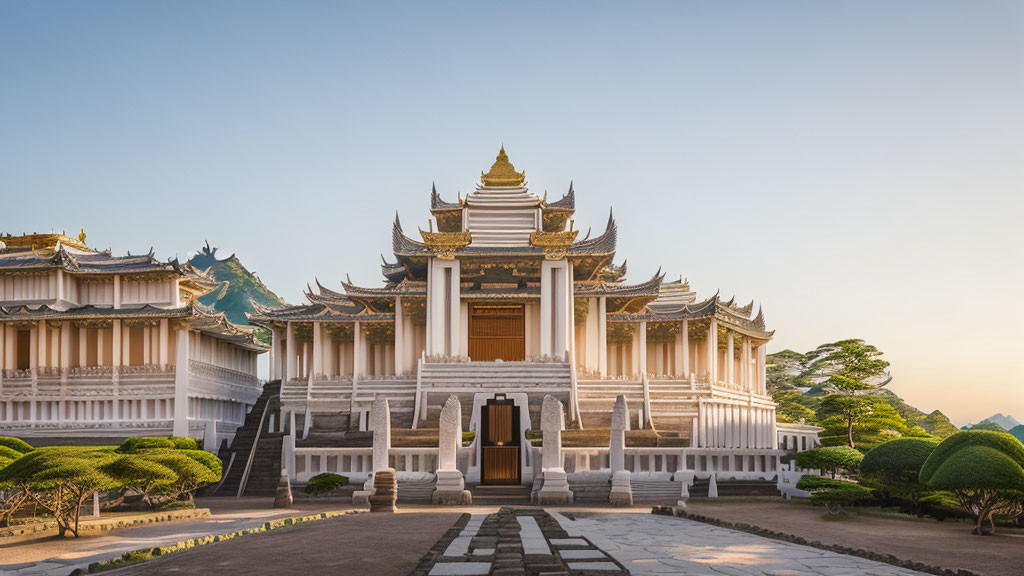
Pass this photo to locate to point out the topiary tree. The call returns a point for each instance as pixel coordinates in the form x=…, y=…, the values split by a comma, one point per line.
x=831, y=459
x=894, y=468
x=140, y=474
x=184, y=443
x=59, y=480
x=834, y=494
x=983, y=469
x=188, y=470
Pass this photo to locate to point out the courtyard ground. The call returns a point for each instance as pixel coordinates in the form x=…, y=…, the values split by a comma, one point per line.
x=946, y=544
x=59, y=556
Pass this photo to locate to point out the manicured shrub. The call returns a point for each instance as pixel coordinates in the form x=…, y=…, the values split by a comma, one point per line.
x=983, y=469
x=16, y=444
x=831, y=459
x=325, y=482
x=893, y=470
x=834, y=494
x=190, y=471
x=135, y=444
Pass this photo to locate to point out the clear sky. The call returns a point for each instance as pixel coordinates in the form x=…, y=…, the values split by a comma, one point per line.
x=855, y=167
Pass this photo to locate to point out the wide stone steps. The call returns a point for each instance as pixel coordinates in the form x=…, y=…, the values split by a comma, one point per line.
x=415, y=490
x=655, y=490
x=590, y=492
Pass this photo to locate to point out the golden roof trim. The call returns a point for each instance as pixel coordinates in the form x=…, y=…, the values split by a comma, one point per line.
x=444, y=244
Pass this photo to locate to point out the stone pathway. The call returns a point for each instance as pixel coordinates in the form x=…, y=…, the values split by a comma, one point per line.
x=514, y=542
x=648, y=544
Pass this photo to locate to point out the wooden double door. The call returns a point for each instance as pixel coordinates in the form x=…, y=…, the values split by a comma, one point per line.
x=499, y=424
x=497, y=332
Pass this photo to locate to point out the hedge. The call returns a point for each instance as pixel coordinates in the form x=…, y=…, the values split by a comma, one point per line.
x=1001, y=442
x=135, y=444
x=16, y=444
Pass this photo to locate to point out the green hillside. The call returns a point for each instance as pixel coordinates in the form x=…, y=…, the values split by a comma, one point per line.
x=238, y=287
x=822, y=386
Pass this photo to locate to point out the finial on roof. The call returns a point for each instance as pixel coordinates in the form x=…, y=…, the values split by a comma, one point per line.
x=81, y=236
x=502, y=172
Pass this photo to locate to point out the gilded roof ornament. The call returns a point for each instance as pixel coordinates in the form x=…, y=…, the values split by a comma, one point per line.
x=445, y=244
x=502, y=173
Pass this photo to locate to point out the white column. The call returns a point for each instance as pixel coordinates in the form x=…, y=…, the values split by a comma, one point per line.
x=275, y=350
x=642, y=345
x=399, y=336
x=762, y=378
x=83, y=346
x=289, y=361
x=126, y=343
x=147, y=344
x=39, y=359
x=602, y=336
x=181, y=384
x=164, y=342
x=713, y=351
x=115, y=355
x=546, y=310
x=730, y=358
x=358, y=355
x=592, y=341
x=117, y=291
x=318, y=351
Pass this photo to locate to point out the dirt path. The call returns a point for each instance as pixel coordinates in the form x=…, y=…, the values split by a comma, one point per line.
x=947, y=544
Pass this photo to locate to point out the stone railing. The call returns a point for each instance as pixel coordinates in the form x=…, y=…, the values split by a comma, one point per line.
x=220, y=374
x=91, y=371
x=442, y=359
x=357, y=463
x=146, y=369
x=739, y=464
x=17, y=374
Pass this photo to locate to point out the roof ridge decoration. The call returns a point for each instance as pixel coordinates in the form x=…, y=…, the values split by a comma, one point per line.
x=437, y=204
x=567, y=202
x=603, y=244
x=502, y=173
x=445, y=244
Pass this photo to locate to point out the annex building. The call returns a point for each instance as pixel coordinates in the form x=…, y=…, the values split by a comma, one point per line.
x=96, y=347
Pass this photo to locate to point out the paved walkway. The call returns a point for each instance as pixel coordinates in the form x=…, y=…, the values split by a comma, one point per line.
x=58, y=557
x=650, y=545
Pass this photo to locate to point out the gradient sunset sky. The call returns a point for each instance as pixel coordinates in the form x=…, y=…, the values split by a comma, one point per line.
x=855, y=167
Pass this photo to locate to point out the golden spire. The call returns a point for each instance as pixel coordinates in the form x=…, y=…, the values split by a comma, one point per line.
x=503, y=173
x=81, y=236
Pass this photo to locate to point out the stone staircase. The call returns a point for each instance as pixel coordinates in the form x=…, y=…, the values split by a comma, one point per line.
x=593, y=491
x=266, y=464
x=415, y=491
x=484, y=495
x=673, y=407
x=727, y=488
x=656, y=490
x=597, y=398
x=441, y=379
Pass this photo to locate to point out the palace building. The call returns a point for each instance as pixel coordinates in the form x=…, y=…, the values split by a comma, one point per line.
x=501, y=303
x=95, y=346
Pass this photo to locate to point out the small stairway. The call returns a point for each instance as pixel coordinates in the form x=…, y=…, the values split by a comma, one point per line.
x=266, y=463
x=727, y=488
x=591, y=492
x=415, y=491
x=659, y=491
x=597, y=398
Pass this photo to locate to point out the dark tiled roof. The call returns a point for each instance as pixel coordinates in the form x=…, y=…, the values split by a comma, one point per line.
x=439, y=205
x=568, y=202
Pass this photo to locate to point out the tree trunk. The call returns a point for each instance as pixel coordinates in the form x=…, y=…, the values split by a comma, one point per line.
x=849, y=432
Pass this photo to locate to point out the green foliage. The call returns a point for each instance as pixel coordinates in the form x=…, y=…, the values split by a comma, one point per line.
x=9, y=453
x=1017, y=432
x=141, y=474
x=16, y=444
x=190, y=470
x=831, y=459
x=142, y=443
x=983, y=469
x=325, y=482
x=833, y=494
x=900, y=455
x=852, y=359
x=184, y=443
x=468, y=437
x=862, y=421
x=792, y=406
x=59, y=480
x=176, y=505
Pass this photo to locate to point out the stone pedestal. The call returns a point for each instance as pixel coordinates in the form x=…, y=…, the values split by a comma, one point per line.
x=621, y=493
x=385, y=491
x=283, y=496
x=555, y=490
x=361, y=497
x=450, y=489
x=713, y=486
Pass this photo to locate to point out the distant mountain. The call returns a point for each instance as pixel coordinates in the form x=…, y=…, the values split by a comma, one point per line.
x=1004, y=422
x=237, y=286
x=1018, y=431
x=799, y=381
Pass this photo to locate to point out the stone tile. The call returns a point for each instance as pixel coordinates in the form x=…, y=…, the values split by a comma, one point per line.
x=458, y=547
x=581, y=554
x=483, y=552
x=594, y=566
x=558, y=542
x=461, y=569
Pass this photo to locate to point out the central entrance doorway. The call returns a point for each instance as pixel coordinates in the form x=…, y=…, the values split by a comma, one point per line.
x=499, y=445
x=497, y=332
